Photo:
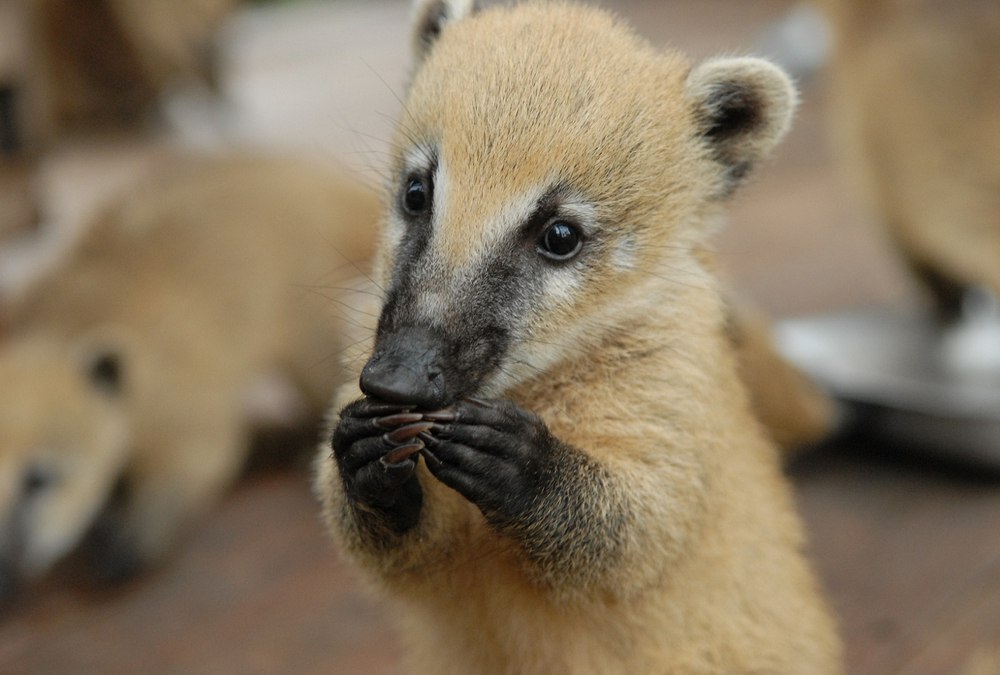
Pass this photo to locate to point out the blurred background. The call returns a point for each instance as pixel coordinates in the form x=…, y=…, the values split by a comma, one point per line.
x=96, y=95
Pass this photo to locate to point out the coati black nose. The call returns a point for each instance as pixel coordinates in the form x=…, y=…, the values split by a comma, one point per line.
x=407, y=368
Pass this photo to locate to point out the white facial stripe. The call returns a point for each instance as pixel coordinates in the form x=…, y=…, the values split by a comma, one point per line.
x=624, y=255
x=562, y=285
x=394, y=233
x=431, y=306
x=418, y=159
x=520, y=208
x=581, y=212
x=442, y=190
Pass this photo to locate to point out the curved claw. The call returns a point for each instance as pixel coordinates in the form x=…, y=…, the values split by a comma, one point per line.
x=479, y=402
x=429, y=443
x=444, y=415
x=408, y=432
x=369, y=407
x=392, y=421
x=399, y=455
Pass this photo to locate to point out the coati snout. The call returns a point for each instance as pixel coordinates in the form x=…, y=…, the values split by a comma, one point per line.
x=408, y=367
x=426, y=368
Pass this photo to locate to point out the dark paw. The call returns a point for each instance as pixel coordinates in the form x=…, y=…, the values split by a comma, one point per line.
x=375, y=445
x=497, y=455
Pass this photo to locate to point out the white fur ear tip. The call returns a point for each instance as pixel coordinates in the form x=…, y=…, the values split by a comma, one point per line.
x=429, y=17
x=752, y=70
x=762, y=82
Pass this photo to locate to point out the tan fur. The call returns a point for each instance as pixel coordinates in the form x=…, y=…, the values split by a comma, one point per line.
x=630, y=365
x=793, y=409
x=917, y=89
x=205, y=277
x=984, y=661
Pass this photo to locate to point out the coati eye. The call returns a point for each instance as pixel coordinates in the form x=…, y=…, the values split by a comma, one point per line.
x=417, y=196
x=35, y=480
x=560, y=241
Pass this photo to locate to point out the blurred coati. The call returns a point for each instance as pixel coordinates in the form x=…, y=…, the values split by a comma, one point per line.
x=63, y=445
x=594, y=493
x=105, y=64
x=916, y=92
x=191, y=286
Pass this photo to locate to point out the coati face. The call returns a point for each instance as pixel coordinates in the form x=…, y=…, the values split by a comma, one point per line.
x=62, y=448
x=550, y=169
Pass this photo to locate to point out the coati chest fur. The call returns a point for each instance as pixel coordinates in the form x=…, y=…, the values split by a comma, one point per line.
x=551, y=464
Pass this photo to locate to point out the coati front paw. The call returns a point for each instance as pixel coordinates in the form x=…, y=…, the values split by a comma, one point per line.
x=497, y=455
x=375, y=446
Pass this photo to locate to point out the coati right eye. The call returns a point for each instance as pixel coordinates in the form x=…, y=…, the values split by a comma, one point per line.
x=417, y=196
x=560, y=241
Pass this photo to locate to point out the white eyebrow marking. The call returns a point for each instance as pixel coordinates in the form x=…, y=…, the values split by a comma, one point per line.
x=440, y=197
x=579, y=210
x=521, y=207
x=419, y=159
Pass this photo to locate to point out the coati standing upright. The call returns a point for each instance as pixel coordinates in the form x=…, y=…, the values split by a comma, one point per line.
x=554, y=467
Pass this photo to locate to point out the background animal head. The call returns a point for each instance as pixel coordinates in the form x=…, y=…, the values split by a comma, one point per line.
x=63, y=446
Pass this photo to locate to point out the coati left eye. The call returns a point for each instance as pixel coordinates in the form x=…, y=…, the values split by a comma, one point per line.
x=560, y=241
x=417, y=195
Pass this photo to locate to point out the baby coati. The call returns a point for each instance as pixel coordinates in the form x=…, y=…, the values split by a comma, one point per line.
x=192, y=286
x=551, y=463
x=63, y=445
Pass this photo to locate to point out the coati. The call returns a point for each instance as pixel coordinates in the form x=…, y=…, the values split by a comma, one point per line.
x=916, y=88
x=548, y=459
x=58, y=462
x=191, y=286
x=795, y=411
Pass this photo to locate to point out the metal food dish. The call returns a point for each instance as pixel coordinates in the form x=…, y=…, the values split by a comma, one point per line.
x=906, y=379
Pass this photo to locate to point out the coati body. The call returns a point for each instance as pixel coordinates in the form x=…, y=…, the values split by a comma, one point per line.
x=916, y=92
x=795, y=412
x=554, y=467
x=194, y=284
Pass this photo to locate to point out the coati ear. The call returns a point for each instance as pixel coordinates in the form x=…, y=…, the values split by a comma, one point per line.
x=744, y=108
x=430, y=18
